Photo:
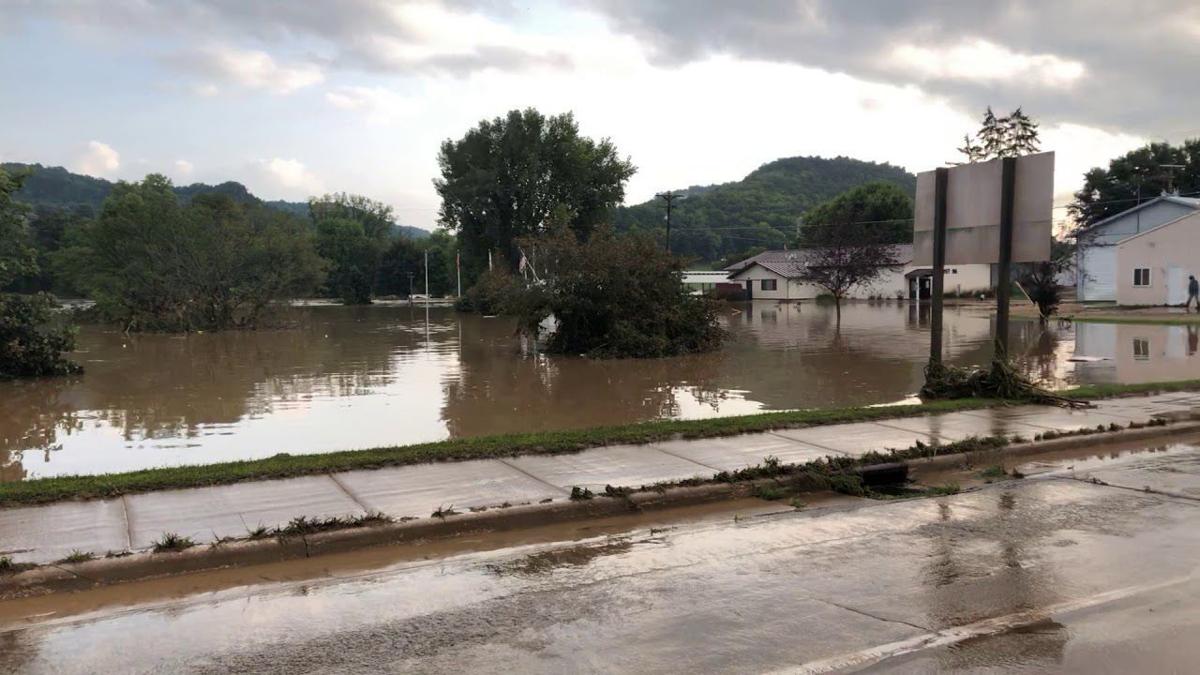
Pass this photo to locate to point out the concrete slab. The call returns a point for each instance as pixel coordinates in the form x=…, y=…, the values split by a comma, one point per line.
x=958, y=426
x=42, y=534
x=856, y=439
x=738, y=452
x=1048, y=418
x=618, y=465
x=207, y=514
x=419, y=490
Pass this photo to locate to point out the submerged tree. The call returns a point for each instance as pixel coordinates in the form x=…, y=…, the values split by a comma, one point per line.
x=504, y=179
x=31, y=344
x=1040, y=279
x=614, y=296
x=842, y=257
x=151, y=263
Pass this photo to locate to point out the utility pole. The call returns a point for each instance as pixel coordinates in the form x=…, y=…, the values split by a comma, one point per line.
x=669, y=197
x=426, y=276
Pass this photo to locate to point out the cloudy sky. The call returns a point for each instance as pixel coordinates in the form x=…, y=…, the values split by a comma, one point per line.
x=296, y=97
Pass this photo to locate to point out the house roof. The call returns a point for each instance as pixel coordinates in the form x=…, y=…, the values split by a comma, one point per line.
x=790, y=264
x=1188, y=202
x=1156, y=228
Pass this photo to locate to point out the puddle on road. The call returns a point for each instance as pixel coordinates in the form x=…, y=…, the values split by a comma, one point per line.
x=348, y=565
x=1092, y=457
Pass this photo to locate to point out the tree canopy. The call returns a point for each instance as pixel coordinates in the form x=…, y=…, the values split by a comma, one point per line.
x=31, y=345
x=152, y=263
x=1137, y=175
x=881, y=208
x=615, y=296
x=505, y=177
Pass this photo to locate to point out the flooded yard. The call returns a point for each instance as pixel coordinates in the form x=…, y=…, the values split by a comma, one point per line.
x=392, y=375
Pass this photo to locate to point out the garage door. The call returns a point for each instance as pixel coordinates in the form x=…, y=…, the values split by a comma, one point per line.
x=1098, y=271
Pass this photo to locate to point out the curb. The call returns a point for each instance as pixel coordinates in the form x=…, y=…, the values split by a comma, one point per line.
x=59, y=577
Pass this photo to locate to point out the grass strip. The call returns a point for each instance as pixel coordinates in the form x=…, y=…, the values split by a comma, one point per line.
x=1144, y=320
x=1099, y=391
x=59, y=488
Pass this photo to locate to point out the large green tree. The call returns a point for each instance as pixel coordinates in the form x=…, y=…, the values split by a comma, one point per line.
x=1137, y=176
x=881, y=208
x=31, y=344
x=613, y=296
x=504, y=179
x=151, y=263
x=352, y=234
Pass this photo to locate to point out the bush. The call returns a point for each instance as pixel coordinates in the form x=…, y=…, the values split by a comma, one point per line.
x=614, y=297
x=31, y=344
x=496, y=292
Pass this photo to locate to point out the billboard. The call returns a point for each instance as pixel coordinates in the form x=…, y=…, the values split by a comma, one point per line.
x=973, y=212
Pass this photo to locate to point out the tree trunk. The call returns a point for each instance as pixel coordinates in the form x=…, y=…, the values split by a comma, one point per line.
x=837, y=306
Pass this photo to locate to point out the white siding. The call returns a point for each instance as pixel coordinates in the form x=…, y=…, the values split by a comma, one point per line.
x=1097, y=273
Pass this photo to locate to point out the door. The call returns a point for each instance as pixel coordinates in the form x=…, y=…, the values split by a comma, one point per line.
x=1177, y=282
x=749, y=289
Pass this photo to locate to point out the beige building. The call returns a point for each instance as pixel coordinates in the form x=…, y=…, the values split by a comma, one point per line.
x=1153, y=266
x=777, y=275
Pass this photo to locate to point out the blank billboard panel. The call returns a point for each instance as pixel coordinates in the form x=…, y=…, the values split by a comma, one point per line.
x=973, y=212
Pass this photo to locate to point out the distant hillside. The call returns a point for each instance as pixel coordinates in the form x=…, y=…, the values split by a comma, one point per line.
x=759, y=210
x=57, y=187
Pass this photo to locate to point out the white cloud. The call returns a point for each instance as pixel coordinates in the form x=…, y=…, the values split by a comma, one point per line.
x=249, y=68
x=377, y=104
x=290, y=175
x=100, y=159
x=206, y=89
x=983, y=61
x=184, y=167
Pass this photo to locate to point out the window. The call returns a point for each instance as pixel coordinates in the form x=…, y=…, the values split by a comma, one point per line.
x=1141, y=349
x=1141, y=276
x=768, y=284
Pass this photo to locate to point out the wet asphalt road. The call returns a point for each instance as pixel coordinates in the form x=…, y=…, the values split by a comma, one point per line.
x=1048, y=574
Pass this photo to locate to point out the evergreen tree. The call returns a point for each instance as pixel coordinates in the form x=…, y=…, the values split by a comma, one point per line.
x=1011, y=136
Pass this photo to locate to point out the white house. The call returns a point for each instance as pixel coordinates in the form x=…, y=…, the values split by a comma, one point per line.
x=1096, y=256
x=1152, y=267
x=777, y=275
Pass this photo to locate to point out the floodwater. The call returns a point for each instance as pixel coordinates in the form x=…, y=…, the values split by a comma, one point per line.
x=1054, y=573
x=349, y=377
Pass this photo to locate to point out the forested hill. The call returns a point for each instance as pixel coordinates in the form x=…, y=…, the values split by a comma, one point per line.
x=54, y=186
x=761, y=210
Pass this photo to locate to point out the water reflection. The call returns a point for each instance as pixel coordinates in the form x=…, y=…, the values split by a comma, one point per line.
x=357, y=377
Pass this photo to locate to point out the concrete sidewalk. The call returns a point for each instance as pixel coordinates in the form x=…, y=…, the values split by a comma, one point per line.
x=45, y=534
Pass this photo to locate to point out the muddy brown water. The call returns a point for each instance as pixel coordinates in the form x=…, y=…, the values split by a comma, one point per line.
x=392, y=375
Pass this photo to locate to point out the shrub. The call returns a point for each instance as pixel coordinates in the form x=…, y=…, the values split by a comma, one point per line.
x=615, y=296
x=496, y=292
x=32, y=342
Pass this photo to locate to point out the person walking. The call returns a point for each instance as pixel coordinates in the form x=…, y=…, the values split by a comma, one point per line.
x=1193, y=294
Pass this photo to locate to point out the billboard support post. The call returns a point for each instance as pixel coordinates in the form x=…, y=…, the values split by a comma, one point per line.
x=1008, y=192
x=937, y=286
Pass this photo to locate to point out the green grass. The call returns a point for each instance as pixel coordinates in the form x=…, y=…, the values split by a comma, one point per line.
x=173, y=543
x=1098, y=391
x=44, y=490
x=1188, y=320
